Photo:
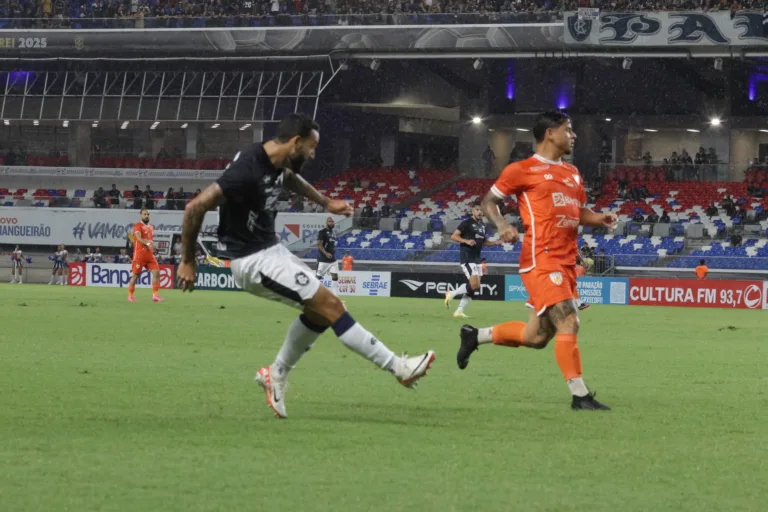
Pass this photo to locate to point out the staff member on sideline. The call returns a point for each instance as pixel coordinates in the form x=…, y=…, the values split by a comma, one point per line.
x=346, y=262
x=702, y=270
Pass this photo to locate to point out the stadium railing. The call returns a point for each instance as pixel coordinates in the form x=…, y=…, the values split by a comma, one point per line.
x=244, y=20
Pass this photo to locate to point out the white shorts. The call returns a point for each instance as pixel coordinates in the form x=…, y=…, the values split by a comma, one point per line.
x=276, y=274
x=327, y=268
x=472, y=269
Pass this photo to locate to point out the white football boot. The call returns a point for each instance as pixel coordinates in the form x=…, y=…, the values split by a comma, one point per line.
x=274, y=389
x=408, y=370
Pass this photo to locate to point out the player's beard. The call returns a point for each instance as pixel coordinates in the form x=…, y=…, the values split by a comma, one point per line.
x=297, y=162
x=145, y=221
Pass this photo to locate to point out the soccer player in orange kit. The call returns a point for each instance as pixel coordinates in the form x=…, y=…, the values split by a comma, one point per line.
x=552, y=201
x=144, y=257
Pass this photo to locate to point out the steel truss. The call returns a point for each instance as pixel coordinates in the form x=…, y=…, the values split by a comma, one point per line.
x=186, y=96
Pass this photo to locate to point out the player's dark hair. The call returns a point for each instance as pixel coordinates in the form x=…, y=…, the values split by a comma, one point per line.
x=546, y=121
x=143, y=210
x=296, y=125
x=701, y=262
x=475, y=204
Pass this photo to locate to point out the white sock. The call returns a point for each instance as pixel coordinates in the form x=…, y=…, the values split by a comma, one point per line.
x=357, y=339
x=465, y=300
x=335, y=288
x=53, y=276
x=577, y=387
x=301, y=335
x=461, y=290
x=61, y=279
x=485, y=335
x=20, y=276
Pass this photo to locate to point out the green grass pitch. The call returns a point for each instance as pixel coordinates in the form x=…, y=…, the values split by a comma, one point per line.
x=111, y=406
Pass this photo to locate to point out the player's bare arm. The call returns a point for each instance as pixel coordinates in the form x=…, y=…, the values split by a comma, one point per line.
x=491, y=243
x=296, y=183
x=594, y=219
x=490, y=204
x=456, y=237
x=194, y=213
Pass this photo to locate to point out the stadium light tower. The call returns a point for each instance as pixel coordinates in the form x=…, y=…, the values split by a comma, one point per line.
x=715, y=121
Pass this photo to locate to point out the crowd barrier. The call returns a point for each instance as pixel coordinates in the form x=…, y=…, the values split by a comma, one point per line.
x=633, y=291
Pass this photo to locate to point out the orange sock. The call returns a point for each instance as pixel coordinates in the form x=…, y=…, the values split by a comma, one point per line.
x=508, y=334
x=568, y=356
x=155, y=287
x=131, y=288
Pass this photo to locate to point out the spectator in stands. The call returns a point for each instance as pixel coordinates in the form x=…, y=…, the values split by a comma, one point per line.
x=653, y=218
x=489, y=159
x=163, y=154
x=367, y=214
x=197, y=193
x=88, y=256
x=736, y=240
x=484, y=266
x=181, y=199
x=702, y=270
x=647, y=158
x=711, y=210
x=623, y=184
x=298, y=205
x=741, y=213
x=689, y=171
x=99, y=198
x=664, y=218
x=97, y=257
x=142, y=153
x=412, y=174
x=149, y=198
x=638, y=217
x=386, y=210
x=136, y=194
x=123, y=256
x=114, y=195
x=711, y=156
x=170, y=197
x=729, y=205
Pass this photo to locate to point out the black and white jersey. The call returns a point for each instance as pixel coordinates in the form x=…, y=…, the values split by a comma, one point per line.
x=328, y=240
x=471, y=229
x=251, y=185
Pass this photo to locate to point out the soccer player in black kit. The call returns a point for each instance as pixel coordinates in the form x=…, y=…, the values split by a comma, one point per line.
x=247, y=194
x=472, y=237
x=326, y=255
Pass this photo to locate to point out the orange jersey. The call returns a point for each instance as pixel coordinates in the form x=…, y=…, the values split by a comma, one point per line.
x=702, y=271
x=346, y=263
x=550, y=197
x=146, y=231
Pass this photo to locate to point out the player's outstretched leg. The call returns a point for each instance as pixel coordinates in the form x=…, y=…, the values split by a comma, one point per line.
x=321, y=311
x=564, y=317
x=452, y=294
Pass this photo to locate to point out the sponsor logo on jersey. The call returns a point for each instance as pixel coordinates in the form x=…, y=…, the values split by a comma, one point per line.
x=560, y=199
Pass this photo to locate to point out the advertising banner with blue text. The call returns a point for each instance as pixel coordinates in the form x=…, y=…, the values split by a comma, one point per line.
x=592, y=290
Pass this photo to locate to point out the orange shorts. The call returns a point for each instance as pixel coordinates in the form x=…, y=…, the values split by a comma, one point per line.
x=141, y=261
x=548, y=287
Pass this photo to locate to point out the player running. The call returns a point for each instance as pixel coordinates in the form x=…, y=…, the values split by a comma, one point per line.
x=552, y=201
x=326, y=255
x=60, y=266
x=17, y=266
x=246, y=195
x=472, y=237
x=144, y=257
